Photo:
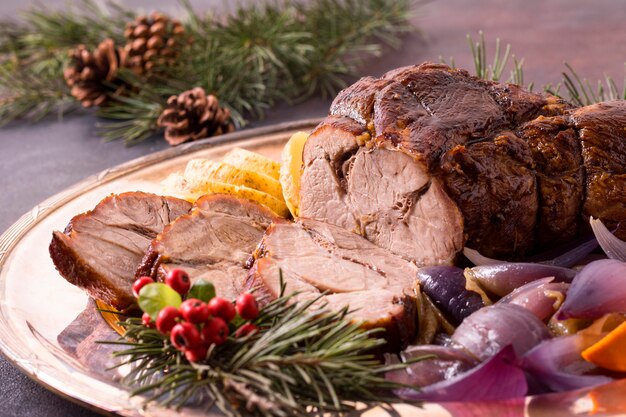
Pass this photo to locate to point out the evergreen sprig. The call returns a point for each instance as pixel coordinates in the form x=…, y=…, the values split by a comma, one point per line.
x=580, y=91
x=302, y=361
x=251, y=58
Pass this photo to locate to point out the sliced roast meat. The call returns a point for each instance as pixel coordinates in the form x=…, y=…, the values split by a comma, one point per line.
x=213, y=242
x=428, y=158
x=100, y=250
x=317, y=259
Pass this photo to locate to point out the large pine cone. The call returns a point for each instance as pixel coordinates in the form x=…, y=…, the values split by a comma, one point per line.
x=91, y=74
x=193, y=115
x=153, y=42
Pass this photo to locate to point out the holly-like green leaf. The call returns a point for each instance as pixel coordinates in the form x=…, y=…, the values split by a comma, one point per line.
x=202, y=290
x=153, y=297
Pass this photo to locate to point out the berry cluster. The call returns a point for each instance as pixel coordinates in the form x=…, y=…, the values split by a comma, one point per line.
x=195, y=325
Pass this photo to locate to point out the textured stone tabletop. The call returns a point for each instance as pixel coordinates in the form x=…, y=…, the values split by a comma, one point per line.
x=39, y=160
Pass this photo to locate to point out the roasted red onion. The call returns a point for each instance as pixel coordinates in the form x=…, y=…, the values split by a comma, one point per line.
x=498, y=378
x=487, y=331
x=445, y=364
x=445, y=285
x=556, y=364
x=598, y=289
x=504, y=278
x=542, y=297
x=611, y=245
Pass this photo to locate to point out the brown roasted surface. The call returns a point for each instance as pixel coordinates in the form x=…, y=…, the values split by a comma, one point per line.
x=213, y=242
x=519, y=171
x=100, y=249
x=316, y=257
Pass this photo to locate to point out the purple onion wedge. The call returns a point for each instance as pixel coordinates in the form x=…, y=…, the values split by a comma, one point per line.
x=598, y=289
x=445, y=363
x=491, y=328
x=556, y=364
x=499, y=378
x=504, y=278
x=445, y=285
x=541, y=297
x=611, y=244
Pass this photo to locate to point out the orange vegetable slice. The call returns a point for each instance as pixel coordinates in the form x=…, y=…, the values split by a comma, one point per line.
x=610, y=351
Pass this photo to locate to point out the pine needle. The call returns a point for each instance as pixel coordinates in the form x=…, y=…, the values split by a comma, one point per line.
x=301, y=362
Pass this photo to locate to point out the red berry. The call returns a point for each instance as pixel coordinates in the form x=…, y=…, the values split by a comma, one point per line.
x=167, y=318
x=221, y=307
x=215, y=331
x=194, y=311
x=185, y=336
x=196, y=354
x=140, y=283
x=147, y=320
x=247, y=306
x=178, y=280
x=245, y=330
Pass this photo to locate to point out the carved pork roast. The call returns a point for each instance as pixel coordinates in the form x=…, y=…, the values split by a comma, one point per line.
x=100, y=249
x=427, y=159
x=315, y=258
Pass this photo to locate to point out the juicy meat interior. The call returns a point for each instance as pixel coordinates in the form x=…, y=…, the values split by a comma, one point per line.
x=99, y=250
x=213, y=242
x=316, y=257
x=428, y=158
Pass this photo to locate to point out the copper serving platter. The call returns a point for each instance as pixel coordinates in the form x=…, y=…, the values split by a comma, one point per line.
x=38, y=309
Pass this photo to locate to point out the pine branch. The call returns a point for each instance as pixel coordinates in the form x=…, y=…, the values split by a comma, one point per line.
x=267, y=53
x=32, y=93
x=301, y=361
x=580, y=91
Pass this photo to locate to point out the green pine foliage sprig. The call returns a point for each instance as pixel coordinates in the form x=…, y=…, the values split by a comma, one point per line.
x=301, y=362
x=251, y=58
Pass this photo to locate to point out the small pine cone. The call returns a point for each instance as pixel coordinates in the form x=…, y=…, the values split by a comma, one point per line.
x=193, y=115
x=153, y=42
x=89, y=72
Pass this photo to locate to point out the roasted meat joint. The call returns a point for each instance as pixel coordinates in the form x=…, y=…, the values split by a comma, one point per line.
x=405, y=172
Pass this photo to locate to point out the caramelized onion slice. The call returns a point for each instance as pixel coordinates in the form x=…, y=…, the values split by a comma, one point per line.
x=541, y=297
x=556, y=364
x=503, y=278
x=599, y=288
x=499, y=378
x=610, y=244
x=487, y=331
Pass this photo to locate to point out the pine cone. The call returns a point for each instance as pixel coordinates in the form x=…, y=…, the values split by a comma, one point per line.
x=152, y=42
x=193, y=115
x=88, y=72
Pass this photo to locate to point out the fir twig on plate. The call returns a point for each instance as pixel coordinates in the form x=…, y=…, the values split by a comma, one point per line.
x=300, y=361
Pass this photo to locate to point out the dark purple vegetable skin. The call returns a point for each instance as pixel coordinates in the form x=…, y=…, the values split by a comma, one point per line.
x=445, y=285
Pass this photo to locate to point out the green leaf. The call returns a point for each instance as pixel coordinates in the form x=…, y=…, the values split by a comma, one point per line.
x=202, y=290
x=153, y=297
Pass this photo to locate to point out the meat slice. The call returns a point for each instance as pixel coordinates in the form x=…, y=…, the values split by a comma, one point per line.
x=384, y=195
x=602, y=131
x=100, y=249
x=322, y=260
x=213, y=242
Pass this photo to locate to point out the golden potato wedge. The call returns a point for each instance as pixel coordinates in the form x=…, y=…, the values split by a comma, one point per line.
x=214, y=187
x=290, y=170
x=252, y=161
x=198, y=171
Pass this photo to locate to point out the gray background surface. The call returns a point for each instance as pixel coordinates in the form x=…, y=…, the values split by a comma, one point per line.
x=39, y=160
